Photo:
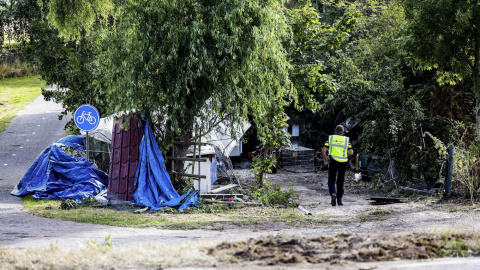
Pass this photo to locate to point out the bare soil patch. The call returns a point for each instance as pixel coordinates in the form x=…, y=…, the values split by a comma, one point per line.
x=274, y=250
x=419, y=213
x=271, y=252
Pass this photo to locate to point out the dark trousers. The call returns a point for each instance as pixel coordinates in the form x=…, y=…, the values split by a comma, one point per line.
x=336, y=174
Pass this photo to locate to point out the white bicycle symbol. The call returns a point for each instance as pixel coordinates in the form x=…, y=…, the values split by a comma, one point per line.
x=86, y=116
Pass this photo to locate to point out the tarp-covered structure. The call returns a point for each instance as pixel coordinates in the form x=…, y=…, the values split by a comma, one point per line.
x=56, y=174
x=153, y=187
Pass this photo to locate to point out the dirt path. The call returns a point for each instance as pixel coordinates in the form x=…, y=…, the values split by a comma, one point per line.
x=358, y=215
x=420, y=214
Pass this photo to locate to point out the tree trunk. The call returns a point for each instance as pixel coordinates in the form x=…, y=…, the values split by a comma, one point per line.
x=477, y=97
x=476, y=77
x=186, y=135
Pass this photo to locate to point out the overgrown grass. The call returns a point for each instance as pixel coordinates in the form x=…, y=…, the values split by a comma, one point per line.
x=376, y=215
x=381, y=212
x=17, y=69
x=15, y=94
x=210, y=217
x=106, y=256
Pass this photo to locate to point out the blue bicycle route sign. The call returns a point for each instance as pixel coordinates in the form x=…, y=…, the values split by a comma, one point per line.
x=86, y=117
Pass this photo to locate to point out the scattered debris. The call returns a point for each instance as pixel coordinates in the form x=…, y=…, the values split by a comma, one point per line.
x=424, y=191
x=141, y=210
x=233, y=202
x=223, y=188
x=386, y=200
x=222, y=196
x=305, y=211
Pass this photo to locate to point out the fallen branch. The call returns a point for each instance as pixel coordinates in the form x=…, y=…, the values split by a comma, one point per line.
x=207, y=201
x=427, y=192
x=141, y=210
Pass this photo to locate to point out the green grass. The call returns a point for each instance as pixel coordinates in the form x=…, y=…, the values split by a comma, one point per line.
x=376, y=215
x=381, y=212
x=15, y=94
x=210, y=217
x=370, y=219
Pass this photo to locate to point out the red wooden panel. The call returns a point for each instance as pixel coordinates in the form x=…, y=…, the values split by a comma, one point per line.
x=125, y=154
x=134, y=154
x=133, y=170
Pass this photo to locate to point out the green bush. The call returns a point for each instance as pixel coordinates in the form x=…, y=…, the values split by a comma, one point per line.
x=272, y=194
x=69, y=204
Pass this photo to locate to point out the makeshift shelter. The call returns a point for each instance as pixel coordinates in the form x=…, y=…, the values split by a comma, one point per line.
x=137, y=168
x=217, y=146
x=61, y=172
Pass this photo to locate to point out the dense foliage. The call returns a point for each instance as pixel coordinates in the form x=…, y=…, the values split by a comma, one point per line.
x=380, y=83
x=69, y=64
x=444, y=36
x=398, y=68
x=186, y=65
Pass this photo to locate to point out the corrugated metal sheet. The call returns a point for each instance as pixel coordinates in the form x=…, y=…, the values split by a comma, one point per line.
x=124, y=160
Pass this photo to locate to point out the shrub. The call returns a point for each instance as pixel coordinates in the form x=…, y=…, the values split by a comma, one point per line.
x=466, y=166
x=272, y=194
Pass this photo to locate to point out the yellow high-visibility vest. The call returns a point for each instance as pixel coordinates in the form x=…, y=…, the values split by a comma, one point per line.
x=338, y=147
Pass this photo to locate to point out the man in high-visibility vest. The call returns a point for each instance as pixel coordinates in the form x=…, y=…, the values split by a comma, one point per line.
x=339, y=148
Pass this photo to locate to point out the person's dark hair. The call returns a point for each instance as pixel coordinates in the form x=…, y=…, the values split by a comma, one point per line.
x=339, y=129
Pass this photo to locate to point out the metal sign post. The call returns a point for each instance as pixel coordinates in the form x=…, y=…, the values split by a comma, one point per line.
x=87, y=145
x=86, y=117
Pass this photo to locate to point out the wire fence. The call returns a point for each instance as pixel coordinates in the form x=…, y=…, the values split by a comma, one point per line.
x=298, y=159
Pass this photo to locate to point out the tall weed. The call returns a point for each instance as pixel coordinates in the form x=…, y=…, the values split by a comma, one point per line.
x=272, y=194
x=466, y=166
x=17, y=69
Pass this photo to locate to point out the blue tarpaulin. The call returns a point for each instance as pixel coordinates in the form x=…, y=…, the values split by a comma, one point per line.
x=153, y=187
x=57, y=175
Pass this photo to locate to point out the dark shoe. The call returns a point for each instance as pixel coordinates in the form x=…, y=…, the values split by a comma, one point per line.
x=334, y=199
x=339, y=201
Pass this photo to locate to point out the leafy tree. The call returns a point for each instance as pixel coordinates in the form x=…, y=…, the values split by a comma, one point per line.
x=311, y=41
x=396, y=104
x=444, y=35
x=68, y=64
x=185, y=64
x=314, y=38
x=370, y=70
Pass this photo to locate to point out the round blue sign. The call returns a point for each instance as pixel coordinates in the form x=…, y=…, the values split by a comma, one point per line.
x=86, y=117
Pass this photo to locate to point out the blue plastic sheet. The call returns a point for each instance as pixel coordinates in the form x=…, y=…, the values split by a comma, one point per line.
x=153, y=187
x=213, y=170
x=57, y=175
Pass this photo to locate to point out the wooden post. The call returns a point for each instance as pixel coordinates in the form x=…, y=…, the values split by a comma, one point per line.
x=449, y=172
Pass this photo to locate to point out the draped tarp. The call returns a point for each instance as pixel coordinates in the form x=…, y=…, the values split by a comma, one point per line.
x=153, y=187
x=55, y=174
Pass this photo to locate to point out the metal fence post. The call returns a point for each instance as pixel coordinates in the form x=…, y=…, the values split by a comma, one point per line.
x=449, y=171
